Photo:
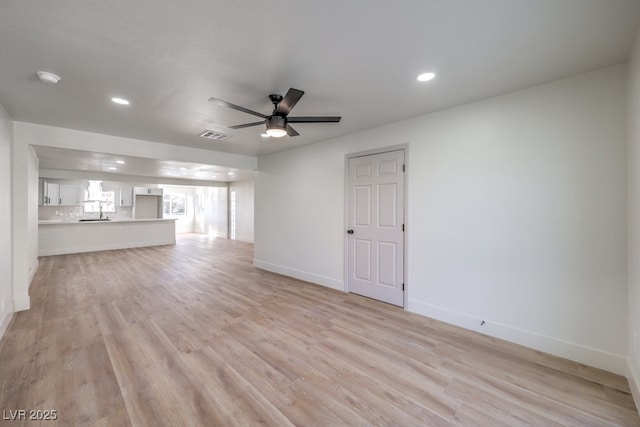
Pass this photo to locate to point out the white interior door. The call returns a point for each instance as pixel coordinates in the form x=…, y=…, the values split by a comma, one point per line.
x=376, y=226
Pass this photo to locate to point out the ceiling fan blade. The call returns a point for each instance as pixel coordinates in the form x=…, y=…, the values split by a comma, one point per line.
x=289, y=101
x=335, y=119
x=246, y=125
x=291, y=131
x=236, y=107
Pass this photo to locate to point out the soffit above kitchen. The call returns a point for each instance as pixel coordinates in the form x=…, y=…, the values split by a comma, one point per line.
x=113, y=165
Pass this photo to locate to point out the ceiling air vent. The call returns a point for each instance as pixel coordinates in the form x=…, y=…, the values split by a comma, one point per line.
x=217, y=136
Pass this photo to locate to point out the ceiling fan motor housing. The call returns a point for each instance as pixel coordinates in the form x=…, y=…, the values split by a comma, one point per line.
x=276, y=122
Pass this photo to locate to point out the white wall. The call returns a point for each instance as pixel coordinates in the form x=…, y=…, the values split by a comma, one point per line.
x=32, y=214
x=25, y=219
x=516, y=215
x=633, y=129
x=184, y=223
x=299, y=211
x=244, y=192
x=6, y=255
x=211, y=211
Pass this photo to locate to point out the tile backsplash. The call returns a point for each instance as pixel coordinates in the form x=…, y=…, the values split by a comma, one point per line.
x=74, y=213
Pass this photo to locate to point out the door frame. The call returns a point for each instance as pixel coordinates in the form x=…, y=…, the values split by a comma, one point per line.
x=405, y=253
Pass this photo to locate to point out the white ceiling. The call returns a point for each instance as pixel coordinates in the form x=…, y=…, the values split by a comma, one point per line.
x=356, y=58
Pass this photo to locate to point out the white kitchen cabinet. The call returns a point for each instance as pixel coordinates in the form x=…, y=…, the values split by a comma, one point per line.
x=54, y=194
x=69, y=195
x=51, y=194
x=148, y=191
x=126, y=196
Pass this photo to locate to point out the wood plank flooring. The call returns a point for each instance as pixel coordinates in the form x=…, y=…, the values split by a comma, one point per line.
x=194, y=335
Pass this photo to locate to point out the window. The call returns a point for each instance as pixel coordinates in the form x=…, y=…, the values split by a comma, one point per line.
x=174, y=204
x=97, y=197
x=106, y=199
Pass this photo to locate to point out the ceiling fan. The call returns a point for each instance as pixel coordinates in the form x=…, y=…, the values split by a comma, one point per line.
x=278, y=122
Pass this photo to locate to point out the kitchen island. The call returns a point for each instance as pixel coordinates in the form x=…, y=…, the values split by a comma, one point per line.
x=67, y=237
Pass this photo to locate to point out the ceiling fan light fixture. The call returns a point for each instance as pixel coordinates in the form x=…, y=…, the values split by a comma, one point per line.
x=276, y=132
x=276, y=127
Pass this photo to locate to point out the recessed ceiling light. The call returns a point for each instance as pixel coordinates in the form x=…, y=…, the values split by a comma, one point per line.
x=112, y=168
x=425, y=77
x=120, y=162
x=230, y=173
x=120, y=101
x=183, y=169
x=47, y=77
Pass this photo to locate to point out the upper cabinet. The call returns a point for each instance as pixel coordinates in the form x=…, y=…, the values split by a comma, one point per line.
x=126, y=196
x=149, y=191
x=77, y=193
x=50, y=194
x=69, y=195
x=54, y=194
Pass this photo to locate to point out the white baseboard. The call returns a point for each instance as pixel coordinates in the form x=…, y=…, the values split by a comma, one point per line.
x=22, y=304
x=103, y=247
x=246, y=239
x=634, y=382
x=32, y=272
x=6, y=320
x=577, y=352
x=302, y=275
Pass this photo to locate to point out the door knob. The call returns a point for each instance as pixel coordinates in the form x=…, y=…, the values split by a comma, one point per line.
x=349, y=231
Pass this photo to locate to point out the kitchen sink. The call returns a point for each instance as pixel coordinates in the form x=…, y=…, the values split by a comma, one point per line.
x=93, y=219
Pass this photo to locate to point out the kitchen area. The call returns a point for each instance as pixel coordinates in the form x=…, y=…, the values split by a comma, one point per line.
x=88, y=211
x=91, y=215
x=95, y=202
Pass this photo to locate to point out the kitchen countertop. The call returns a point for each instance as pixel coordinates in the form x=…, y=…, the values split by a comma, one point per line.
x=60, y=221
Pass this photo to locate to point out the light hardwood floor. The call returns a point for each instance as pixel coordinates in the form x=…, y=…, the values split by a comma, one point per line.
x=194, y=335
